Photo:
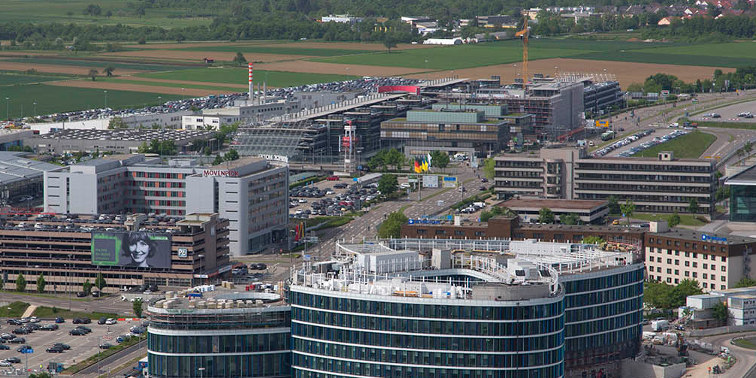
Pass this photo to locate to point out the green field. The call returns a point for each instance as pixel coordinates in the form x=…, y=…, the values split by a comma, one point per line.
x=685, y=219
x=663, y=58
x=71, y=11
x=278, y=50
x=219, y=88
x=13, y=79
x=53, y=99
x=275, y=79
x=729, y=50
x=454, y=57
x=98, y=64
x=689, y=146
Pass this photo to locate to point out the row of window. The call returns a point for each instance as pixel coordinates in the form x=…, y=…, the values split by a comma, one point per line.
x=219, y=343
x=262, y=365
x=687, y=244
x=694, y=264
x=436, y=327
x=695, y=255
x=338, y=367
x=374, y=307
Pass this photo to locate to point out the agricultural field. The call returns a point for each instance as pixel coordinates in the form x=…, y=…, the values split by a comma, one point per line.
x=54, y=99
x=239, y=76
x=17, y=79
x=689, y=146
x=285, y=50
x=71, y=11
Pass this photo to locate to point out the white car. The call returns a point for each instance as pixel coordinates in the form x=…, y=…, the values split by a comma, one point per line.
x=404, y=185
x=111, y=321
x=5, y=363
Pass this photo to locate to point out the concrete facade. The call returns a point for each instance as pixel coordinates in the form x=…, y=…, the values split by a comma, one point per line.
x=251, y=193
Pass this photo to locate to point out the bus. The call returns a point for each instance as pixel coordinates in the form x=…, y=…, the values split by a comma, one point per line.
x=607, y=135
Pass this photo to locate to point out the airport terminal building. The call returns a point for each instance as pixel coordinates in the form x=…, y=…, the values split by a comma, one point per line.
x=138, y=184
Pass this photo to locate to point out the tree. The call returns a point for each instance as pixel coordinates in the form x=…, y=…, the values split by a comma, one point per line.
x=2, y=283
x=180, y=38
x=93, y=10
x=439, y=159
x=389, y=42
x=43, y=374
x=545, y=215
x=20, y=283
x=495, y=211
x=388, y=184
x=720, y=312
x=658, y=294
x=614, y=207
x=93, y=74
x=100, y=281
x=693, y=205
x=569, y=219
x=627, y=209
x=117, y=123
x=392, y=226
x=137, y=307
x=142, y=40
x=218, y=160
x=597, y=240
x=87, y=287
x=231, y=155
x=41, y=283
x=673, y=220
x=489, y=168
x=108, y=71
x=239, y=59
x=683, y=290
x=746, y=282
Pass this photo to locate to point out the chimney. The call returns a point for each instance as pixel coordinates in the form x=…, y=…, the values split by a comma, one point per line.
x=251, y=87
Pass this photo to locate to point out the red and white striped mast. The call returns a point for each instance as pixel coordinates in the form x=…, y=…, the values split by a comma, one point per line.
x=251, y=90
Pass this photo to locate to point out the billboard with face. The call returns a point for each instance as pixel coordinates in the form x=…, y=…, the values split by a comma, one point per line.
x=136, y=249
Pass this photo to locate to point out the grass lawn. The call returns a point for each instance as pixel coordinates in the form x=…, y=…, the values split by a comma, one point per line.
x=44, y=312
x=53, y=99
x=15, y=79
x=329, y=222
x=278, y=50
x=455, y=57
x=238, y=75
x=689, y=146
x=748, y=343
x=719, y=50
x=727, y=125
x=660, y=57
x=13, y=309
x=685, y=219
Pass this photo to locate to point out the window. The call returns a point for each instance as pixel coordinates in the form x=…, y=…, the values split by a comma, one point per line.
x=695, y=264
x=706, y=266
x=677, y=262
x=677, y=272
x=669, y=251
x=723, y=278
x=705, y=257
x=669, y=280
x=705, y=285
x=677, y=281
x=713, y=277
x=695, y=275
x=658, y=259
x=658, y=269
x=687, y=254
x=650, y=240
x=724, y=259
x=723, y=268
x=677, y=253
x=695, y=255
x=669, y=261
x=704, y=276
x=687, y=263
x=722, y=287
x=687, y=273
x=713, y=267
x=669, y=271
x=651, y=258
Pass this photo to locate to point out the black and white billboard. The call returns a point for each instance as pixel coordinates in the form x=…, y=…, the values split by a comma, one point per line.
x=136, y=249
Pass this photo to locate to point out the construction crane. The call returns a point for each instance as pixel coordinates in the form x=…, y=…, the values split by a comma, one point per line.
x=524, y=35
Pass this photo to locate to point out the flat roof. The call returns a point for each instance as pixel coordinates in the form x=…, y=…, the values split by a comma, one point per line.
x=553, y=203
x=14, y=167
x=699, y=236
x=746, y=177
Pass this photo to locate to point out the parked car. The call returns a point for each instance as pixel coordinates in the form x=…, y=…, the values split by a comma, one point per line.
x=96, y=294
x=4, y=347
x=54, y=350
x=102, y=320
x=5, y=363
x=59, y=320
x=18, y=340
x=76, y=332
x=85, y=329
x=22, y=331
x=82, y=321
x=81, y=294
x=111, y=321
x=49, y=327
x=61, y=345
x=106, y=346
x=24, y=349
x=13, y=360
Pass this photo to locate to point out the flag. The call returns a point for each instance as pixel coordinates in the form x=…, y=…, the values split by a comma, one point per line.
x=418, y=169
x=429, y=160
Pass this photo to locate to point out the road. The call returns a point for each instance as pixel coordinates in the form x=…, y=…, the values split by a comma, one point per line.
x=746, y=358
x=365, y=227
x=110, y=303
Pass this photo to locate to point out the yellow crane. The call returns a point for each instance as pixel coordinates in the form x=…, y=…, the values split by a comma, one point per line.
x=524, y=35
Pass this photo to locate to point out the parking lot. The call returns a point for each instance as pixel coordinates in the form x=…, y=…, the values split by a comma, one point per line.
x=328, y=198
x=82, y=347
x=742, y=112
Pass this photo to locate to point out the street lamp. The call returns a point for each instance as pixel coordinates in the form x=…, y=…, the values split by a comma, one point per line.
x=106, y=99
x=7, y=108
x=202, y=372
x=35, y=107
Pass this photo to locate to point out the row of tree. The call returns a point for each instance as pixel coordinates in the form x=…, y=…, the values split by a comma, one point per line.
x=42, y=283
x=393, y=158
x=742, y=78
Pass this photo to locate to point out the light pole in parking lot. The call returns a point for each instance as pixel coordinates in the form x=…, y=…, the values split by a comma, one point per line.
x=202, y=372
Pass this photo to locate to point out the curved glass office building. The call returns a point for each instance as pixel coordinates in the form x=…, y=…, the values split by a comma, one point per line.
x=231, y=335
x=377, y=311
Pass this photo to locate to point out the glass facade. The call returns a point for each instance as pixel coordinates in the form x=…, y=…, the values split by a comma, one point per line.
x=742, y=203
x=603, y=315
x=235, y=343
x=333, y=335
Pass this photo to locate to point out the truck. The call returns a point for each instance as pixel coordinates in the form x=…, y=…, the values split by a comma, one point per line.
x=659, y=325
x=607, y=135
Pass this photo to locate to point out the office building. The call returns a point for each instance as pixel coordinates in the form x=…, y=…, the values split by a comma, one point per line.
x=183, y=250
x=220, y=334
x=510, y=228
x=413, y=308
x=21, y=179
x=121, y=141
x=743, y=195
x=717, y=262
x=10, y=138
x=600, y=97
x=251, y=193
x=587, y=211
x=243, y=112
x=447, y=129
x=663, y=185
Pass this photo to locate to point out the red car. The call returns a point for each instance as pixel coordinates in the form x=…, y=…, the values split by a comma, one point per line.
x=332, y=178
